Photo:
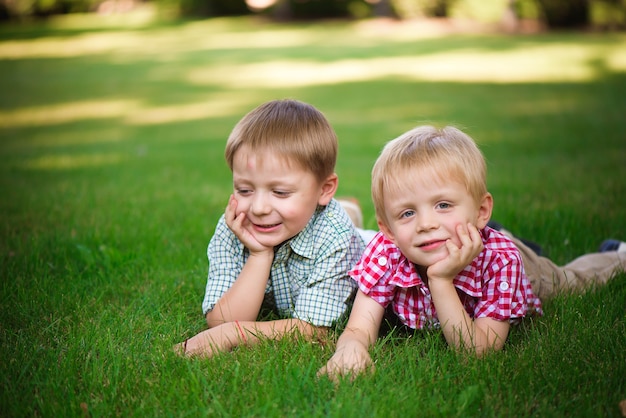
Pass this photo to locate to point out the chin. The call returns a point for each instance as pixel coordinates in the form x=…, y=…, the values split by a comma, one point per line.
x=432, y=259
x=271, y=242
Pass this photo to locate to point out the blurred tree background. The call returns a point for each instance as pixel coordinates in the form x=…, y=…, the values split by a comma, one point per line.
x=551, y=14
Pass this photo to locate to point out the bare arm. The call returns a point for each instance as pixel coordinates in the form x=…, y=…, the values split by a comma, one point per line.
x=244, y=298
x=352, y=352
x=459, y=329
x=229, y=335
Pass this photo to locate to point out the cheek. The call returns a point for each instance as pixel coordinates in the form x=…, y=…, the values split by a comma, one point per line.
x=402, y=236
x=243, y=205
x=298, y=212
x=287, y=209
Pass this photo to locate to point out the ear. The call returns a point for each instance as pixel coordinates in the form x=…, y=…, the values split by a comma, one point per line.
x=328, y=189
x=384, y=228
x=484, y=211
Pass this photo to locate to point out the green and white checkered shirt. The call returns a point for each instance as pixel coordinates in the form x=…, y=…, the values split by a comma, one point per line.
x=309, y=276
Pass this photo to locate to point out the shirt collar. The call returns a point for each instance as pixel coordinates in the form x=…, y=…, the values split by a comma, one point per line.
x=406, y=274
x=303, y=243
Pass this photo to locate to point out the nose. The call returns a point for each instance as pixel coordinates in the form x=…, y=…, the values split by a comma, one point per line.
x=260, y=204
x=426, y=221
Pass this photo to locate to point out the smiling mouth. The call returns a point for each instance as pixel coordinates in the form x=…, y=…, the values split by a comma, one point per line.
x=432, y=244
x=266, y=226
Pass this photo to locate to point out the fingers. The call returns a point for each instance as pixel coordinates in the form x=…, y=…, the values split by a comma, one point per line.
x=331, y=371
x=180, y=349
x=351, y=366
x=459, y=256
x=334, y=372
x=471, y=242
x=231, y=206
x=235, y=221
x=232, y=219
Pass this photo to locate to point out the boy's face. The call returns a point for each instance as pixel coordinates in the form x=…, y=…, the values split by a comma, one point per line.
x=278, y=198
x=422, y=216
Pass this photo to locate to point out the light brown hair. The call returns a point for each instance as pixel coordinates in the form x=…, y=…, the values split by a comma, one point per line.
x=440, y=155
x=292, y=129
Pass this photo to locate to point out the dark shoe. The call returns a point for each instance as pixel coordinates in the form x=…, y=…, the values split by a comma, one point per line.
x=533, y=246
x=609, y=245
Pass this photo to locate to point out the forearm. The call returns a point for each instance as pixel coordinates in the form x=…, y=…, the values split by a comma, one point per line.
x=353, y=337
x=244, y=298
x=363, y=325
x=459, y=329
x=351, y=355
x=251, y=331
x=352, y=351
x=227, y=336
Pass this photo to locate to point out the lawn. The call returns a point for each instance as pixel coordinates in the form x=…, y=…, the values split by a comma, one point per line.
x=112, y=178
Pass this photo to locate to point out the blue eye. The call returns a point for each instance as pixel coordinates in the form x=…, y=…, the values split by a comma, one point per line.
x=407, y=214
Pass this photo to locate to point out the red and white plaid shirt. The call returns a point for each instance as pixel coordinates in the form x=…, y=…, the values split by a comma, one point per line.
x=494, y=285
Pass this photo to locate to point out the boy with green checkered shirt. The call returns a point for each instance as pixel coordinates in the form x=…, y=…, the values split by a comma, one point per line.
x=283, y=239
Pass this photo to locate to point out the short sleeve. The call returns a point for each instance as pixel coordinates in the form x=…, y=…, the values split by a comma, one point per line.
x=327, y=290
x=374, y=270
x=504, y=295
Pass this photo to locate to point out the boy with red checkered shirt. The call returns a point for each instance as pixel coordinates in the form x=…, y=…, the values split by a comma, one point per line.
x=435, y=261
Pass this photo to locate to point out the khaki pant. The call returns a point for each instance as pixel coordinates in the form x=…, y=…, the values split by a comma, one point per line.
x=547, y=278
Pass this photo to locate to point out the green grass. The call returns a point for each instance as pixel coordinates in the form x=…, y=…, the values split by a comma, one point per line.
x=112, y=179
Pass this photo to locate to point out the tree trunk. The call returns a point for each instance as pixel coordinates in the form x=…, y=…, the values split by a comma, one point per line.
x=565, y=13
x=510, y=19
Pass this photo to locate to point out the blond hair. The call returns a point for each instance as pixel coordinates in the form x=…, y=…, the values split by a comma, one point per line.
x=439, y=155
x=292, y=129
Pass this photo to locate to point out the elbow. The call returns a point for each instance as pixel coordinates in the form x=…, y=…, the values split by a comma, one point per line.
x=309, y=330
x=213, y=319
x=476, y=345
x=489, y=347
x=489, y=336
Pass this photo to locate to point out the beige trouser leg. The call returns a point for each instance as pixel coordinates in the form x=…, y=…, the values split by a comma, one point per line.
x=548, y=279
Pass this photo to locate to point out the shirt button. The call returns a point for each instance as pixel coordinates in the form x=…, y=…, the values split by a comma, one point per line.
x=382, y=261
x=504, y=286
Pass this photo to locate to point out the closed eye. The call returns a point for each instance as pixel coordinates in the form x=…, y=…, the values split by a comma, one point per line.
x=243, y=192
x=282, y=193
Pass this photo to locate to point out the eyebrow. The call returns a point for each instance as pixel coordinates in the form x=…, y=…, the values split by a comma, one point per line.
x=281, y=183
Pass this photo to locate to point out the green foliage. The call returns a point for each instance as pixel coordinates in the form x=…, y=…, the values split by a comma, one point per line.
x=20, y=9
x=112, y=179
x=609, y=14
